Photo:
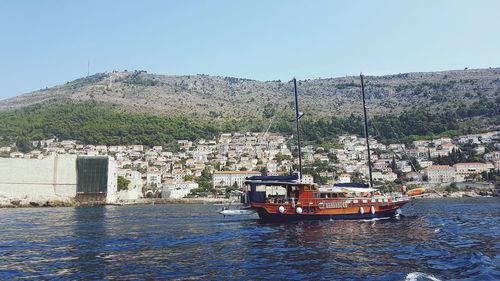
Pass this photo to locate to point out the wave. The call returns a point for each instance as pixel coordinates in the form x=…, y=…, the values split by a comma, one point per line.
x=416, y=276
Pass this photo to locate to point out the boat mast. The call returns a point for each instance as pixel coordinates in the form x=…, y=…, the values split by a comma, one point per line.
x=297, y=117
x=366, y=131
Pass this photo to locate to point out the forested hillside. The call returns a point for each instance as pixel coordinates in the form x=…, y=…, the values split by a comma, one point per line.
x=93, y=123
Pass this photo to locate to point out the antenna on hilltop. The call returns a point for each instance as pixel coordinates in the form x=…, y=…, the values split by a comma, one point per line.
x=88, y=68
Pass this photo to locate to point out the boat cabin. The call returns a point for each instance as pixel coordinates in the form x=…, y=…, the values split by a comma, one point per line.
x=289, y=189
x=277, y=189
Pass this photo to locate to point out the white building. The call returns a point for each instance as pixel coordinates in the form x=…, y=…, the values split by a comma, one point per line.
x=307, y=179
x=344, y=178
x=134, y=187
x=228, y=178
x=178, y=190
x=153, y=177
x=464, y=170
x=440, y=174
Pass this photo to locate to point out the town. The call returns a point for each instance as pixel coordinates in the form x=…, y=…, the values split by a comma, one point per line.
x=217, y=168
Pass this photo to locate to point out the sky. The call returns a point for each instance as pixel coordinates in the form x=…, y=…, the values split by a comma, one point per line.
x=50, y=42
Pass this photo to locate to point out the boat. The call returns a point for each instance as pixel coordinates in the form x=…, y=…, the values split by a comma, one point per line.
x=289, y=198
x=286, y=198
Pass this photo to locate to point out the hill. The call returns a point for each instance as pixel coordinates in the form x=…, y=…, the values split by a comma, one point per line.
x=136, y=107
x=203, y=96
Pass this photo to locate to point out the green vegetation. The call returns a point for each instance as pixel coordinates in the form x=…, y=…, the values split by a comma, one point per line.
x=23, y=145
x=91, y=123
x=464, y=154
x=87, y=80
x=142, y=82
x=205, y=183
x=452, y=187
x=269, y=110
x=122, y=183
x=95, y=124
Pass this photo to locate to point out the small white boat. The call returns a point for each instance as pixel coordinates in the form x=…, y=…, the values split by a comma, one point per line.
x=236, y=212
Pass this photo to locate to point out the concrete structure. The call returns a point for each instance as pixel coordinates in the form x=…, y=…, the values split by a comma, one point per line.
x=228, y=178
x=50, y=178
x=96, y=179
x=134, y=187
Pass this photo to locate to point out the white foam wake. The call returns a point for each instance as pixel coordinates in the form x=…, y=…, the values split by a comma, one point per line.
x=416, y=276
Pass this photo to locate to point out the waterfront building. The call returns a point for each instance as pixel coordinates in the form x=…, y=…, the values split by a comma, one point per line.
x=464, y=170
x=228, y=178
x=440, y=174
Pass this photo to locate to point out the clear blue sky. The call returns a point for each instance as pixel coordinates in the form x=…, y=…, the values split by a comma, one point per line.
x=46, y=43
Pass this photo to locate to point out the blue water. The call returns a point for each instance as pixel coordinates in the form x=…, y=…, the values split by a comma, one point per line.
x=437, y=239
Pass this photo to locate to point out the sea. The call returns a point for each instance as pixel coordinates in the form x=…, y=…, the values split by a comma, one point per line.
x=434, y=239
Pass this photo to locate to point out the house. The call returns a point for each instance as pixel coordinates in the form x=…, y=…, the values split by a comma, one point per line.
x=344, y=178
x=17, y=155
x=390, y=176
x=153, y=178
x=414, y=176
x=307, y=179
x=424, y=163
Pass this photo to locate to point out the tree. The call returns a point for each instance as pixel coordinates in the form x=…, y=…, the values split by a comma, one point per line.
x=452, y=187
x=393, y=164
x=415, y=164
x=280, y=157
x=357, y=177
x=269, y=110
x=205, y=181
x=263, y=171
x=23, y=145
x=231, y=188
x=122, y=183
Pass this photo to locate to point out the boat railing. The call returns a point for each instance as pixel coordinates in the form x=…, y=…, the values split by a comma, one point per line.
x=346, y=202
x=332, y=202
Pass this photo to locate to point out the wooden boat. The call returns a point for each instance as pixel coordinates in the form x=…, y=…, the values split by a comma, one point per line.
x=285, y=198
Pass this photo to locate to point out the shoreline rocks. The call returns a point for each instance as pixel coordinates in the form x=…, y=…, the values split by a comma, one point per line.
x=459, y=194
x=40, y=203
x=35, y=203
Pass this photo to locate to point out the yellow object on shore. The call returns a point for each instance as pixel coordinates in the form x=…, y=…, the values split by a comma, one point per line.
x=416, y=191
